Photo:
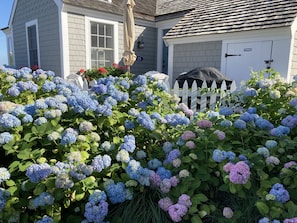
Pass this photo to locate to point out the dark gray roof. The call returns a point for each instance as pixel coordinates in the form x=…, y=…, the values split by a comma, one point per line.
x=171, y=6
x=144, y=9
x=222, y=16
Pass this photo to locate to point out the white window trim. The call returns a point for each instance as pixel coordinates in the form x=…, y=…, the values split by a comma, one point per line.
x=88, y=21
x=28, y=24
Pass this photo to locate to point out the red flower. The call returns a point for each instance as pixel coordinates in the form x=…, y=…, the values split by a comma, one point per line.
x=115, y=65
x=34, y=67
x=81, y=71
x=102, y=70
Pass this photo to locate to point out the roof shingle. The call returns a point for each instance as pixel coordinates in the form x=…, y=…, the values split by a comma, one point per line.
x=222, y=16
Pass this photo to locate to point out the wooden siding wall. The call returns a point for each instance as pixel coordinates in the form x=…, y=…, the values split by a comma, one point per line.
x=46, y=13
x=77, y=42
x=149, y=52
x=191, y=55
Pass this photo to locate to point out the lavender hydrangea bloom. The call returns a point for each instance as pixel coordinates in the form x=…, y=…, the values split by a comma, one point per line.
x=177, y=211
x=239, y=173
x=165, y=203
x=140, y=80
x=172, y=155
x=280, y=193
x=38, y=172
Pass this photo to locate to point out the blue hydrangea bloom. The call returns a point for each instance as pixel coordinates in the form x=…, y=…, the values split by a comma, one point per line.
x=45, y=219
x=129, y=125
x=5, y=137
x=145, y=120
x=163, y=173
x=38, y=172
x=68, y=137
x=225, y=111
x=96, y=208
x=219, y=155
x=263, y=123
x=43, y=199
x=226, y=123
x=116, y=192
x=154, y=164
x=239, y=124
x=280, y=193
x=8, y=121
x=4, y=195
x=280, y=131
x=129, y=143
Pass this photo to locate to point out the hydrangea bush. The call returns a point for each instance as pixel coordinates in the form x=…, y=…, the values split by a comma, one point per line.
x=126, y=151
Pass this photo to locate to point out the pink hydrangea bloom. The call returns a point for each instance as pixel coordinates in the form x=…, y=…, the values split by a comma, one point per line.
x=203, y=124
x=291, y=220
x=165, y=203
x=184, y=199
x=190, y=144
x=289, y=164
x=227, y=167
x=177, y=211
x=187, y=135
x=227, y=212
x=221, y=135
x=239, y=173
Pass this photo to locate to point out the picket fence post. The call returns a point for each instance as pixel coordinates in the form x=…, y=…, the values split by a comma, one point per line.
x=201, y=98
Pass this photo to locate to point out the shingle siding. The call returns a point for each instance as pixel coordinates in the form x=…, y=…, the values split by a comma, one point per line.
x=46, y=13
x=77, y=42
x=192, y=55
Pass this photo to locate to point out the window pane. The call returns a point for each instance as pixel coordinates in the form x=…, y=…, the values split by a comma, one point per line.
x=94, y=41
x=101, y=29
x=101, y=42
x=109, y=43
x=109, y=30
x=93, y=28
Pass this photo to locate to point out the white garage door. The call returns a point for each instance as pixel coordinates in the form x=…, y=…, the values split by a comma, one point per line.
x=243, y=57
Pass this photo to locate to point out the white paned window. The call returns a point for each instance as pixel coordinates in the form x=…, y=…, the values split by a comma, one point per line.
x=102, y=44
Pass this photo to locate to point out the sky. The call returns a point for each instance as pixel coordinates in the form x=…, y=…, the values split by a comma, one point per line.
x=5, y=9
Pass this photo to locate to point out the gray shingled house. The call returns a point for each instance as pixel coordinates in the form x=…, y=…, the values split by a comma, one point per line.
x=234, y=36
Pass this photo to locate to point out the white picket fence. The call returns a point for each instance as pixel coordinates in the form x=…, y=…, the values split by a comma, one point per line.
x=201, y=98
